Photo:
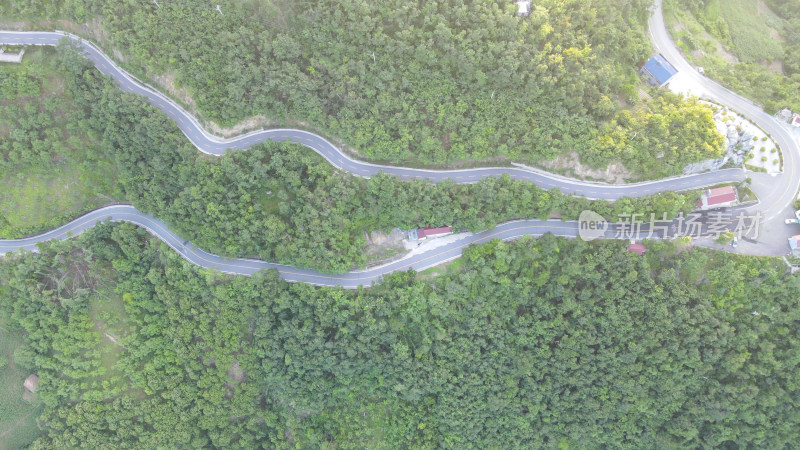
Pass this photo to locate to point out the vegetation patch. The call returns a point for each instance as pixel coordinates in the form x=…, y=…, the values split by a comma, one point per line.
x=18, y=426
x=432, y=83
x=762, y=36
x=625, y=350
x=282, y=202
x=51, y=165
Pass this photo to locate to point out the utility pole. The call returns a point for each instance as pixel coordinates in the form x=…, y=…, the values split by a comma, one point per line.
x=373, y=57
x=220, y=11
x=154, y=1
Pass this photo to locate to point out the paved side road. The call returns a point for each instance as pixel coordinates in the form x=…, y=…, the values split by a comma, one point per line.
x=208, y=143
x=241, y=266
x=776, y=193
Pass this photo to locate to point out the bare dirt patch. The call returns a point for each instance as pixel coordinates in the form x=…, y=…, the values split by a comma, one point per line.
x=383, y=247
x=776, y=66
x=168, y=82
x=236, y=373
x=570, y=163
x=54, y=87
x=776, y=35
x=762, y=8
x=14, y=26
x=249, y=124
x=728, y=56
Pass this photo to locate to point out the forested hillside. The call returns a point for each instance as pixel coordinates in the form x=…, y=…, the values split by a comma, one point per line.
x=539, y=343
x=420, y=82
x=752, y=46
x=284, y=203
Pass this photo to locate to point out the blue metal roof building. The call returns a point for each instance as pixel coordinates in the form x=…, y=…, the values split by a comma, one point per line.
x=658, y=70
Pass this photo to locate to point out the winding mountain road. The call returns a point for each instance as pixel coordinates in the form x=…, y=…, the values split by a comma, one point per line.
x=775, y=205
x=242, y=266
x=214, y=145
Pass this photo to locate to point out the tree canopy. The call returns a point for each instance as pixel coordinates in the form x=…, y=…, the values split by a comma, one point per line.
x=405, y=82
x=538, y=343
x=284, y=203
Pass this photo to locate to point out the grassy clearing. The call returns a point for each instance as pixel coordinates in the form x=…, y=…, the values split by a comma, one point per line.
x=746, y=28
x=17, y=417
x=447, y=268
x=111, y=321
x=42, y=199
x=51, y=167
x=750, y=29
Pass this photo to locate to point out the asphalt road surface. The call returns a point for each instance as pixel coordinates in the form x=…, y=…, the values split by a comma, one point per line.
x=786, y=184
x=241, y=266
x=208, y=143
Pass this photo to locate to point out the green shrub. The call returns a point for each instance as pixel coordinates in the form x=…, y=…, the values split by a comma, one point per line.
x=724, y=238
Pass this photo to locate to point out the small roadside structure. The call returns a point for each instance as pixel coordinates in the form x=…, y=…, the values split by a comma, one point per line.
x=794, y=244
x=637, y=248
x=658, y=70
x=11, y=57
x=796, y=120
x=718, y=197
x=429, y=232
x=31, y=382
x=523, y=8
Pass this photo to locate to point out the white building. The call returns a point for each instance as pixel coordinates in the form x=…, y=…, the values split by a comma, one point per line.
x=524, y=8
x=11, y=57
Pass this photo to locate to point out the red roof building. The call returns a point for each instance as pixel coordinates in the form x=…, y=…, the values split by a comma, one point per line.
x=424, y=233
x=718, y=197
x=637, y=248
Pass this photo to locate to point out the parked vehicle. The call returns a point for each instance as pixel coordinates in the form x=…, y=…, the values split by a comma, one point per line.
x=791, y=221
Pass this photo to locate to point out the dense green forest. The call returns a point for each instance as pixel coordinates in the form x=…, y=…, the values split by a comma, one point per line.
x=538, y=343
x=284, y=203
x=752, y=48
x=413, y=82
